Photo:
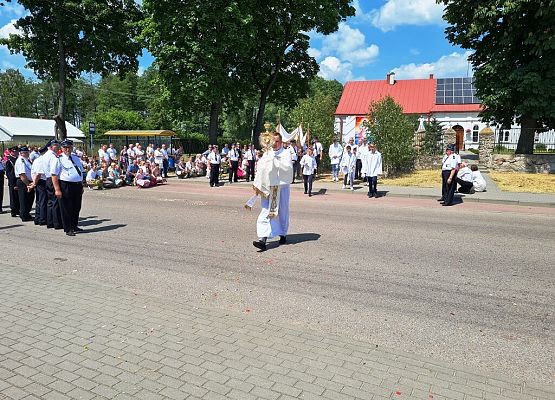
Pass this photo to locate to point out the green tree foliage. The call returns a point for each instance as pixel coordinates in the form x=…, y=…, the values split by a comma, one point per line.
x=198, y=45
x=280, y=65
x=17, y=94
x=61, y=39
x=393, y=134
x=513, y=59
x=117, y=120
x=432, y=137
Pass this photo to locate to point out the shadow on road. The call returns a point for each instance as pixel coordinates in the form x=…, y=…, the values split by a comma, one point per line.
x=10, y=226
x=104, y=228
x=94, y=222
x=320, y=192
x=302, y=237
x=89, y=217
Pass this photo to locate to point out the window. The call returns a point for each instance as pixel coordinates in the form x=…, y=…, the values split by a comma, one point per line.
x=475, y=131
x=506, y=136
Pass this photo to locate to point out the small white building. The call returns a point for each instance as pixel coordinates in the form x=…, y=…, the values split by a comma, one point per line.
x=33, y=131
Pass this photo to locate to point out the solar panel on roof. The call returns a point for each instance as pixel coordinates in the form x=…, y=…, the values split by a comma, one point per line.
x=456, y=91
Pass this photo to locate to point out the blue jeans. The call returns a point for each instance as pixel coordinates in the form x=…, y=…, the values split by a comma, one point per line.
x=335, y=170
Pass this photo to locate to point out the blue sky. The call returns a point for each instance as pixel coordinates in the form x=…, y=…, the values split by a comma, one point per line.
x=403, y=36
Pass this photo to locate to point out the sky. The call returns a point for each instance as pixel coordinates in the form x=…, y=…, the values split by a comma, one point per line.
x=402, y=36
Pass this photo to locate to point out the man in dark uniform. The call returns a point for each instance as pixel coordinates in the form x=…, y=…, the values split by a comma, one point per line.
x=23, y=180
x=39, y=184
x=12, y=183
x=2, y=187
x=53, y=192
x=71, y=184
x=449, y=167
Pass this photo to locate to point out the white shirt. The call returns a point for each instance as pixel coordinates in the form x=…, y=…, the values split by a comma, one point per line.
x=335, y=152
x=233, y=155
x=372, y=164
x=111, y=152
x=92, y=174
x=478, y=181
x=34, y=155
x=68, y=171
x=293, y=151
x=164, y=153
x=50, y=163
x=317, y=149
x=465, y=174
x=251, y=154
x=131, y=153
x=158, y=157
x=348, y=162
x=308, y=164
x=449, y=162
x=214, y=158
x=361, y=152
x=23, y=166
x=139, y=154
x=38, y=169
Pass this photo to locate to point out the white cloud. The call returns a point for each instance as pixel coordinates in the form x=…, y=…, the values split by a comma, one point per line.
x=8, y=29
x=406, y=12
x=452, y=65
x=349, y=45
x=313, y=52
x=332, y=68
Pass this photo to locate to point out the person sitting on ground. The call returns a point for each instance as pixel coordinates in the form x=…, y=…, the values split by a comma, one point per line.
x=190, y=166
x=131, y=171
x=464, y=179
x=94, y=181
x=157, y=174
x=478, y=181
x=142, y=180
x=181, y=170
x=200, y=164
x=115, y=174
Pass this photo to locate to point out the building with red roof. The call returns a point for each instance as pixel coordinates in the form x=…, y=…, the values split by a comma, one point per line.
x=452, y=101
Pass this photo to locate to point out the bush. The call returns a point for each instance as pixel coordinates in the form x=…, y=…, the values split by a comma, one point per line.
x=541, y=147
x=501, y=149
x=474, y=151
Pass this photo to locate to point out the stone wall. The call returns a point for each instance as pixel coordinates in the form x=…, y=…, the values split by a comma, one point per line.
x=485, y=147
x=422, y=161
x=534, y=163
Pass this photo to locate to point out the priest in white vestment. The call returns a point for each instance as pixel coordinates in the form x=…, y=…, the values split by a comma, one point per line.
x=272, y=182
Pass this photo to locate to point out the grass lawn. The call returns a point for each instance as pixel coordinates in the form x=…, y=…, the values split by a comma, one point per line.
x=526, y=183
x=423, y=178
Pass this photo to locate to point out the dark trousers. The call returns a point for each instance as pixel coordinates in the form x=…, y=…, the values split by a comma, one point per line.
x=14, y=199
x=318, y=160
x=70, y=204
x=465, y=186
x=165, y=168
x=214, y=174
x=447, y=189
x=41, y=198
x=372, y=185
x=307, y=181
x=53, y=216
x=295, y=163
x=25, y=200
x=358, y=168
x=234, y=166
x=250, y=172
x=1, y=189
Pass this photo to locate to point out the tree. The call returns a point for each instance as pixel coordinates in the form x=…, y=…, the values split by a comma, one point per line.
x=198, y=45
x=393, y=134
x=61, y=39
x=16, y=94
x=432, y=137
x=279, y=59
x=513, y=59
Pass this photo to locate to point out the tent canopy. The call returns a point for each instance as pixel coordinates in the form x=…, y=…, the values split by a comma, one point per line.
x=164, y=133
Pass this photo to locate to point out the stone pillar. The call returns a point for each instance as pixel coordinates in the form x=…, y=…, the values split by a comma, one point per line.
x=449, y=137
x=485, y=147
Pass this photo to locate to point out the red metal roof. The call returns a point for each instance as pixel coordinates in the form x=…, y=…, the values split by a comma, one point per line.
x=416, y=96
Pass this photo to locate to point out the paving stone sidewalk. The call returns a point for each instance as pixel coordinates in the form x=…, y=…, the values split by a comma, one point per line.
x=62, y=337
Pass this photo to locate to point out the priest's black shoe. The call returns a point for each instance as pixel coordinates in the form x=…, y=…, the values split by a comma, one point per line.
x=282, y=240
x=259, y=244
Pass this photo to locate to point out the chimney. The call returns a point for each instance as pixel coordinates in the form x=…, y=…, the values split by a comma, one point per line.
x=391, y=78
x=431, y=76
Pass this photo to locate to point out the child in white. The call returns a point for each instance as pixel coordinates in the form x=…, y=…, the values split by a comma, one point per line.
x=308, y=165
x=348, y=165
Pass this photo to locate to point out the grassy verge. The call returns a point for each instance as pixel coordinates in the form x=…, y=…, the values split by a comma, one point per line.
x=422, y=178
x=524, y=183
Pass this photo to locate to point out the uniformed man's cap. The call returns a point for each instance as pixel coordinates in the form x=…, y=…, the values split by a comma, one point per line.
x=67, y=143
x=23, y=149
x=14, y=148
x=53, y=142
x=450, y=147
x=43, y=149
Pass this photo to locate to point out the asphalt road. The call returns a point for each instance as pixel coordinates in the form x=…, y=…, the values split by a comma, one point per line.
x=473, y=284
